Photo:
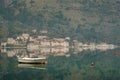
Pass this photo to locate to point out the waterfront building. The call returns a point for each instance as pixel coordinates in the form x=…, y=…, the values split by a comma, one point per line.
x=45, y=43
x=11, y=41
x=59, y=42
x=25, y=36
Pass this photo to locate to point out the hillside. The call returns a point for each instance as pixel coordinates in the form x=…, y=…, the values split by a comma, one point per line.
x=85, y=20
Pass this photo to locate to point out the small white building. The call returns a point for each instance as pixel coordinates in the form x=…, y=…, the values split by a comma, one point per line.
x=36, y=40
x=11, y=41
x=59, y=42
x=31, y=39
x=26, y=36
x=21, y=39
x=67, y=38
x=34, y=30
x=43, y=37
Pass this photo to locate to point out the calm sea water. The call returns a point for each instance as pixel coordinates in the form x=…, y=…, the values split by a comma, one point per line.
x=73, y=66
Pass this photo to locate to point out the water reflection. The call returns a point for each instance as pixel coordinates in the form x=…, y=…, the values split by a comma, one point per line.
x=62, y=67
x=60, y=51
x=34, y=66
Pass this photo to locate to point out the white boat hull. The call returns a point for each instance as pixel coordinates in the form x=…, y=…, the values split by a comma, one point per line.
x=31, y=60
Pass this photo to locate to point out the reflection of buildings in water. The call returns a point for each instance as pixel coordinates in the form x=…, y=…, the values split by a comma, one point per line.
x=55, y=51
x=79, y=46
x=22, y=54
x=104, y=47
x=76, y=50
x=36, y=53
x=33, y=54
x=67, y=55
x=45, y=51
x=32, y=47
x=12, y=52
x=3, y=50
x=92, y=47
x=50, y=51
x=59, y=50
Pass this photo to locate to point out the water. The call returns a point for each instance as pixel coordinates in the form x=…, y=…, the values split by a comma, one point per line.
x=70, y=66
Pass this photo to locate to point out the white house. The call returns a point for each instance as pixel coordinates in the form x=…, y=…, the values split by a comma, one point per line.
x=34, y=30
x=42, y=37
x=11, y=41
x=36, y=40
x=59, y=42
x=31, y=39
x=26, y=36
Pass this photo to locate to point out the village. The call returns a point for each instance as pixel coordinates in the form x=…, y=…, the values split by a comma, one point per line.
x=43, y=45
x=25, y=40
x=31, y=42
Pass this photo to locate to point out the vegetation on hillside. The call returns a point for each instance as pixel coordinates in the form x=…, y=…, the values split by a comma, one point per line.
x=85, y=20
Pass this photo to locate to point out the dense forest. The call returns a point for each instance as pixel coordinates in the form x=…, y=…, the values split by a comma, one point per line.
x=84, y=20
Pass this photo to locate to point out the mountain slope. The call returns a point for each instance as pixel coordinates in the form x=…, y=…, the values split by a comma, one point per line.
x=87, y=20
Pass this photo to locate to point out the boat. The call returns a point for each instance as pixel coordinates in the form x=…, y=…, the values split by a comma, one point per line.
x=40, y=60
